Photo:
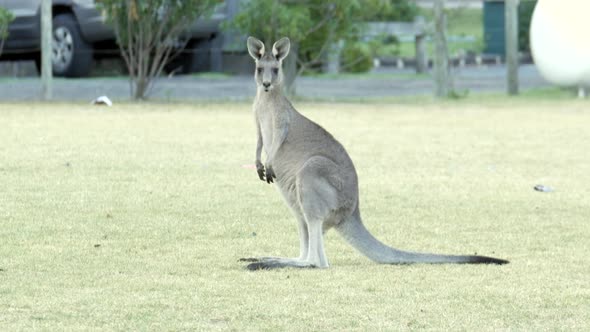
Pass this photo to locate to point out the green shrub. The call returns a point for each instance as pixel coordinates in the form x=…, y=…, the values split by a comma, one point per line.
x=356, y=58
x=5, y=18
x=144, y=31
x=385, y=46
x=390, y=10
x=310, y=24
x=525, y=14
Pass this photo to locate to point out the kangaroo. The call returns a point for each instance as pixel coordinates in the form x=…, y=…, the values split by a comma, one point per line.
x=315, y=176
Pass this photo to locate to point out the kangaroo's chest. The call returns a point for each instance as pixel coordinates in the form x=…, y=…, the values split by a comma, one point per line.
x=266, y=130
x=273, y=120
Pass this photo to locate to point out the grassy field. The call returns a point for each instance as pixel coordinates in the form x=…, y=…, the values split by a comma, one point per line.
x=134, y=217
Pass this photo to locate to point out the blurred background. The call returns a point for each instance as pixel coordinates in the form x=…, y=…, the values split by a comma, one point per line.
x=341, y=49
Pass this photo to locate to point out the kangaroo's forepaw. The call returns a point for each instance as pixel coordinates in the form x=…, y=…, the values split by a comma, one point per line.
x=260, y=170
x=270, y=174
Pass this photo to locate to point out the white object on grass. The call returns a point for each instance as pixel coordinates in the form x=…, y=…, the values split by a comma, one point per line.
x=102, y=100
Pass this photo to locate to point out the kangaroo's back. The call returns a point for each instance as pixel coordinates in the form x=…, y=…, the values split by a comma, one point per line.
x=307, y=138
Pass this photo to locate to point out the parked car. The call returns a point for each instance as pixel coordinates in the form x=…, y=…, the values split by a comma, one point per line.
x=80, y=35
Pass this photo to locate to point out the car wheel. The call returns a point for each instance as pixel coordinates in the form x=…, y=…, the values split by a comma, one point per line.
x=72, y=55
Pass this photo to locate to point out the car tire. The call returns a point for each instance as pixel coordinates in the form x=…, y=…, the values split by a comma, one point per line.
x=72, y=56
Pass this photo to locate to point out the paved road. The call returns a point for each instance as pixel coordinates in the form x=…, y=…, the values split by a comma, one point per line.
x=384, y=82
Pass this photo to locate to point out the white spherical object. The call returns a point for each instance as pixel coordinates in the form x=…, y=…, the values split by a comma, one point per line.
x=560, y=41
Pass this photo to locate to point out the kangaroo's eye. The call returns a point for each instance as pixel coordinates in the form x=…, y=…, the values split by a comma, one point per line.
x=275, y=71
x=259, y=70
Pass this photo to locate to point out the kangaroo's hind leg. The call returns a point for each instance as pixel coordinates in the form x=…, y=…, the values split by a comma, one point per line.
x=303, y=240
x=319, y=199
x=320, y=195
x=268, y=262
x=290, y=197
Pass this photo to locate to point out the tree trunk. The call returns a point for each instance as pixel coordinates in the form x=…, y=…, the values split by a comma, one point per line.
x=420, y=44
x=511, y=25
x=290, y=70
x=141, y=86
x=331, y=57
x=442, y=75
x=46, y=51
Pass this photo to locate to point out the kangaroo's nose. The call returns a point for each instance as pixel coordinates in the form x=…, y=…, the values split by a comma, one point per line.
x=266, y=84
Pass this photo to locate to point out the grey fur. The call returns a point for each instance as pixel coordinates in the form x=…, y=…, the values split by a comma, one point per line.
x=315, y=175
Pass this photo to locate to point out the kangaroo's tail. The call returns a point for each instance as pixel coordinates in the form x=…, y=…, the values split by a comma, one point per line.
x=355, y=233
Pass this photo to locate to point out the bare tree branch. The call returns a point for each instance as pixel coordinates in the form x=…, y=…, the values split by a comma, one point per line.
x=148, y=34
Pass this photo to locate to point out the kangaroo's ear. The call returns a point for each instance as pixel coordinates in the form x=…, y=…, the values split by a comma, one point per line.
x=255, y=48
x=281, y=48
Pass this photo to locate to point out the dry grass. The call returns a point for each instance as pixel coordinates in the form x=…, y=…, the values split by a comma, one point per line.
x=133, y=218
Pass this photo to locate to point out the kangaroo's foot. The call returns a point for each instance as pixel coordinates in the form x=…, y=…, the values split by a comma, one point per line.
x=268, y=263
x=263, y=259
